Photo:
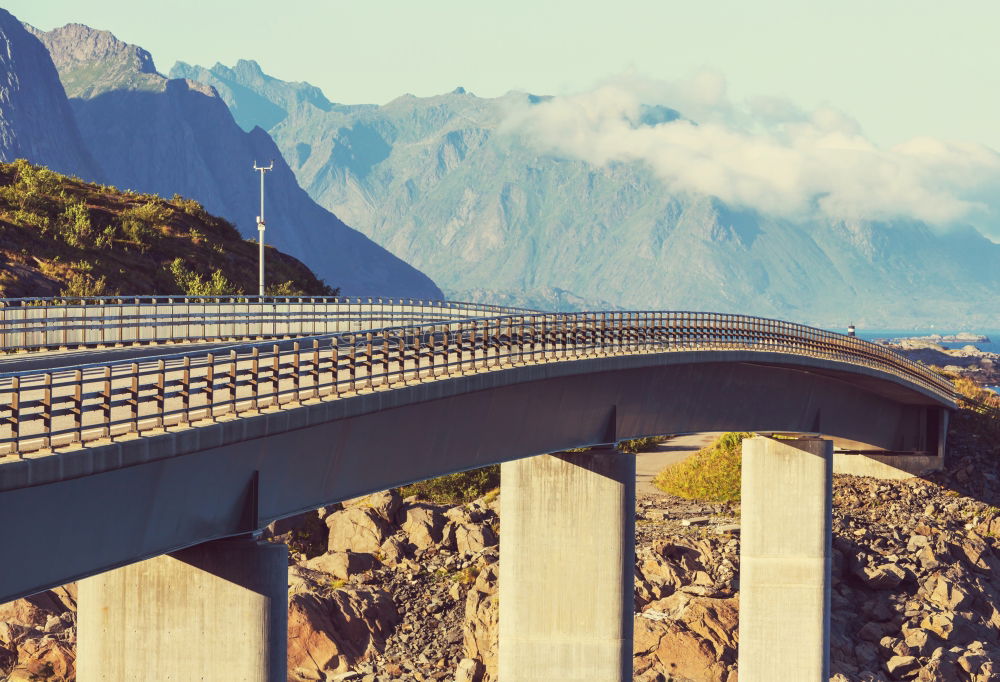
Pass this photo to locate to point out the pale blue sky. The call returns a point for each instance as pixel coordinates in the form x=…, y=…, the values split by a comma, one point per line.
x=901, y=67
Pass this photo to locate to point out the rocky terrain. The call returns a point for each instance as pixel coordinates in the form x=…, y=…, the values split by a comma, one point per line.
x=969, y=361
x=383, y=589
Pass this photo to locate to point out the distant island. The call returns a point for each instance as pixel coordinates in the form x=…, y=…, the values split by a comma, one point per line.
x=961, y=337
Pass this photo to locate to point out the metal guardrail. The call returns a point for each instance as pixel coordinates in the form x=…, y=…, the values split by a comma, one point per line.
x=41, y=323
x=87, y=403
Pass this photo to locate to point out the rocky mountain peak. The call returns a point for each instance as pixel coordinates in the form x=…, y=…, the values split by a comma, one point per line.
x=247, y=67
x=255, y=98
x=35, y=119
x=77, y=44
x=92, y=61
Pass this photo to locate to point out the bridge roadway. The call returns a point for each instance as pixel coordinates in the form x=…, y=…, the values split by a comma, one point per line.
x=118, y=461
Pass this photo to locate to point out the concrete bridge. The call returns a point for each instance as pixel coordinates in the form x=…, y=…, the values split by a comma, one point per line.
x=144, y=472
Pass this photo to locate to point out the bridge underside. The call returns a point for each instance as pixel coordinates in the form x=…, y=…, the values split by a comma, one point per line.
x=136, y=499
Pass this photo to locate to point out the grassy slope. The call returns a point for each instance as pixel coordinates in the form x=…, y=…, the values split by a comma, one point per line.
x=712, y=473
x=62, y=236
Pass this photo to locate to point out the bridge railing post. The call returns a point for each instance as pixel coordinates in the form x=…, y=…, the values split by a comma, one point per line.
x=275, y=375
x=520, y=339
x=255, y=378
x=15, y=415
x=161, y=398
x=106, y=402
x=474, y=346
x=401, y=356
x=185, y=390
x=210, y=386
x=133, y=396
x=77, y=408
x=564, y=332
x=335, y=366
x=510, y=341
x=296, y=376
x=46, y=405
x=432, y=351
x=545, y=336
x=370, y=358
x=314, y=368
x=386, y=357
x=233, y=370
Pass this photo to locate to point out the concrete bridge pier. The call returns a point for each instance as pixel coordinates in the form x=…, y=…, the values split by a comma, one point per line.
x=566, y=574
x=216, y=612
x=785, y=552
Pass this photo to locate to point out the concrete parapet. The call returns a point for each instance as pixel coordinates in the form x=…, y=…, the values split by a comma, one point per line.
x=785, y=551
x=216, y=611
x=566, y=575
x=890, y=467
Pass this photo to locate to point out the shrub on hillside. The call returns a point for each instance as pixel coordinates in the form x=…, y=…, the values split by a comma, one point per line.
x=82, y=284
x=459, y=488
x=140, y=223
x=193, y=284
x=75, y=225
x=711, y=474
x=635, y=445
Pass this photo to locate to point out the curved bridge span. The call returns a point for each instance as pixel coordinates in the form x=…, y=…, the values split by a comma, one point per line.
x=110, y=463
x=165, y=454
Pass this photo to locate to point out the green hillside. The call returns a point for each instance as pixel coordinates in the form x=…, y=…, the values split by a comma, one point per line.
x=62, y=236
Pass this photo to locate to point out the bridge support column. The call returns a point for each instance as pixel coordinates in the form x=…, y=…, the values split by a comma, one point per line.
x=214, y=612
x=567, y=568
x=785, y=560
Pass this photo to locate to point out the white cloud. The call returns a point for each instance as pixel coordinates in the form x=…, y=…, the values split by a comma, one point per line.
x=768, y=154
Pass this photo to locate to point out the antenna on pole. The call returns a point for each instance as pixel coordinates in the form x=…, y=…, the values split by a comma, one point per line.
x=260, y=222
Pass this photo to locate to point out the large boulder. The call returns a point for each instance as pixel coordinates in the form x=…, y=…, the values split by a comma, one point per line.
x=688, y=637
x=385, y=503
x=469, y=670
x=423, y=523
x=342, y=565
x=333, y=634
x=884, y=577
x=393, y=552
x=946, y=594
x=482, y=618
x=472, y=538
x=357, y=529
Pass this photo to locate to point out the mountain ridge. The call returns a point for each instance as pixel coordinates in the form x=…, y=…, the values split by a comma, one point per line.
x=175, y=136
x=488, y=214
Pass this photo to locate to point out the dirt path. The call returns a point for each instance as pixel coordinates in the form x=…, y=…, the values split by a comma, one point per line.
x=648, y=464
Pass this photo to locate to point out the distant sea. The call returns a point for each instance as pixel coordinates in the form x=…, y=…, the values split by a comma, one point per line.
x=992, y=346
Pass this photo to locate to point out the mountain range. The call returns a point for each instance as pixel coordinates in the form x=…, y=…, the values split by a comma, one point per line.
x=491, y=216
x=97, y=108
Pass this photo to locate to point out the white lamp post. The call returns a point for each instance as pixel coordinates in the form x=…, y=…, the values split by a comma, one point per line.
x=260, y=222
